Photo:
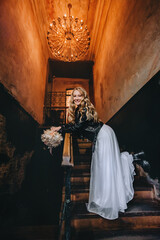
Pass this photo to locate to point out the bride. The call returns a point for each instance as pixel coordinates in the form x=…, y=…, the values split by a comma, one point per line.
x=112, y=172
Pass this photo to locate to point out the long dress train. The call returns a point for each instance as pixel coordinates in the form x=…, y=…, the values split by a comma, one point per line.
x=112, y=175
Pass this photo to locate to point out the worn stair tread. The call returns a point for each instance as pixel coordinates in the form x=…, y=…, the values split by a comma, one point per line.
x=77, y=169
x=121, y=234
x=80, y=171
x=87, y=146
x=82, y=163
x=135, y=208
x=82, y=182
x=80, y=157
x=85, y=188
x=82, y=160
x=80, y=139
x=83, y=185
x=141, y=180
x=80, y=179
x=80, y=174
x=137, y=185
x=82, y=167
x=83, y=196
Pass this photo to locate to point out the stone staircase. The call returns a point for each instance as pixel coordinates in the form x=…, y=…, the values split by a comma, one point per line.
x=142, y=215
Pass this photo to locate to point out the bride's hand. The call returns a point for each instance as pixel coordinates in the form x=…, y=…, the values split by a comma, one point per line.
x=55, y=129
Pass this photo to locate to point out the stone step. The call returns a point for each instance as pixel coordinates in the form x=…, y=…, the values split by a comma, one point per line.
x=84, y=151
x=80, y=187
x=80, y=171
x=80, y=179
x=81, y=141
x=82, y=144
x=135, y=208
x=140, y=182
x=83, y=186
x=82, y=147
x=81, y=193
x=139, y=215
x=82, y=159
x=122, y=234
x=143, y=211
x=83, y=196
x=82, y=166
x=82, y=182
x=144, y=194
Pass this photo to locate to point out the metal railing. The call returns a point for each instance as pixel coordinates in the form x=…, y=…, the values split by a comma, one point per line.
x=55, y=108
x=67, y=163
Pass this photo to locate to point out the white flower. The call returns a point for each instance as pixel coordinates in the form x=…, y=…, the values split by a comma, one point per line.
x=51, y=139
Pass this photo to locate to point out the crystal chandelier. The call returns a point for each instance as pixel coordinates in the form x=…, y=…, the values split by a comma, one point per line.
x=68, y=38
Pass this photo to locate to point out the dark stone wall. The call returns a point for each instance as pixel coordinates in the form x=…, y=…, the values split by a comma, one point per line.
x=137, y=124
x=42, y=187
x=30, y=177
x=17, y=142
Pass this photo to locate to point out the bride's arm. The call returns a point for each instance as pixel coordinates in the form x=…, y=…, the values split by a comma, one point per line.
x=73, y=127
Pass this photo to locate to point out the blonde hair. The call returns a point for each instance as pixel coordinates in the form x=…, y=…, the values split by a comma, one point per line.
x=85, y=104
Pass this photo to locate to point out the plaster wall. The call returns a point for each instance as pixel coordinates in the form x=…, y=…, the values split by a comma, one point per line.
x=24, y=53
x=128, y=53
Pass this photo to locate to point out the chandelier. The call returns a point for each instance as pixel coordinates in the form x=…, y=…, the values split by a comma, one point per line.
x=68, y=38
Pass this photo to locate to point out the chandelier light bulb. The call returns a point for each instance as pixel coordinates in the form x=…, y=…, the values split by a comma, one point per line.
x=68, y=38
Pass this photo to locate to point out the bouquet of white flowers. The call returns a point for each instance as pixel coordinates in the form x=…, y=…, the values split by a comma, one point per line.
x=51, y=138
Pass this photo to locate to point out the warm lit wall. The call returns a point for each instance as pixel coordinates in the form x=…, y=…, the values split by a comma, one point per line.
x=61, y=84
x=127, y=53
x=24, y=53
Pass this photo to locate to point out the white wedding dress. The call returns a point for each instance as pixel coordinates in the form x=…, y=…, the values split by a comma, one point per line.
x=112, y=175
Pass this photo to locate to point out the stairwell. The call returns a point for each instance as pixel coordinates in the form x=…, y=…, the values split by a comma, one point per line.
x=140, y=221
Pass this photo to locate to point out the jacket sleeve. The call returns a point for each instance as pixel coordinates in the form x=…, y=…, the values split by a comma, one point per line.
x=75, y=127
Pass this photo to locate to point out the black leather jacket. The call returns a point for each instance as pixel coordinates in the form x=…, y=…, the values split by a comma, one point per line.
x=82, y=127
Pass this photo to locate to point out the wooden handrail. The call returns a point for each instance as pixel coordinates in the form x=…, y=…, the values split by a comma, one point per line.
x=72, y=159
x=68, y=151
x=65, y=219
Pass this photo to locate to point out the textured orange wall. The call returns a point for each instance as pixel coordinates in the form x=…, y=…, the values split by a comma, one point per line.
x=61, y=84
x=128, y=54
x=24, y=53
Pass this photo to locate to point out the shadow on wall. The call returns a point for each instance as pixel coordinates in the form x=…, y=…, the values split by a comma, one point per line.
x=42, y=188
x=137, y=124
x=30, y=177
x=20, y=126
x=17, y=142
